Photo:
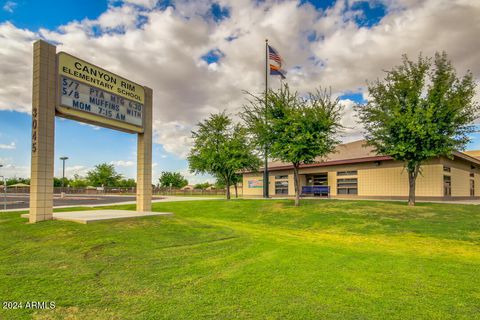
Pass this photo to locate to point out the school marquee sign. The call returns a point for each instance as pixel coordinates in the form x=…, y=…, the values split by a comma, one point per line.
x=94, y=95
x=69, y=87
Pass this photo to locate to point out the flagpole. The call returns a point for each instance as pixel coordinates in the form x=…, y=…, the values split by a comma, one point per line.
x=265, y=171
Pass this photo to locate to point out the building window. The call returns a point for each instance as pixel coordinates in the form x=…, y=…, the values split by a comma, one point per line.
x=320, y=179
x=347, y=186
x=472, y=175
x=281, y=187
x=283, y=177
x=447, y=186
x=347, y=173
x=472, y=188
x=446, y=169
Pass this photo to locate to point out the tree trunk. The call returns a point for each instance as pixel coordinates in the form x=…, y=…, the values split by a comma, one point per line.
x=296, y=183
x=228, y=189
x=412, y=179
x=236, y=190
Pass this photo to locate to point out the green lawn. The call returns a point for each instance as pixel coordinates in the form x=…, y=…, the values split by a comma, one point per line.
x=250, y=259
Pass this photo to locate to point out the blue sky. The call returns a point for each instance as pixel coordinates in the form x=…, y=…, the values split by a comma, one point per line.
x=200, y=55
x=32, y=14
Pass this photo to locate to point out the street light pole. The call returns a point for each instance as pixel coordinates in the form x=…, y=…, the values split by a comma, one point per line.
x=4, y=191
x=62, y=194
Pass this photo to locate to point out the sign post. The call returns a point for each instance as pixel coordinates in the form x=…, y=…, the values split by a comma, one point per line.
x=43, y=131
x=69, y=87
x=144, y=158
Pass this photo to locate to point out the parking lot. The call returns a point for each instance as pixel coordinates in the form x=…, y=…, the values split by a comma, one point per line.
x=21, y=200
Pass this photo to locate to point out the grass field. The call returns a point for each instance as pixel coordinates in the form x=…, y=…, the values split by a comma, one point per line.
x=250, y=259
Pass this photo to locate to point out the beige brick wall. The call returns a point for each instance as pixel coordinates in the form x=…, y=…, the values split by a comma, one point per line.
x=392, y=180
x=460, y=182
x=430, y=181
x=251, y=191
x=332, y=182
x=271, y=186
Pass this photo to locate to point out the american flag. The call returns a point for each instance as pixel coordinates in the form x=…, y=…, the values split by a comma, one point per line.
x=275, y=62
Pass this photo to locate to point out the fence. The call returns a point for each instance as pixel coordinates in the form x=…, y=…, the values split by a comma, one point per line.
x=124, y=191
x=188, y=192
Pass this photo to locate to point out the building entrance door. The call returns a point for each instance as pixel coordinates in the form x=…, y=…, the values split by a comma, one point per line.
x=320, y=179
x=447, y=186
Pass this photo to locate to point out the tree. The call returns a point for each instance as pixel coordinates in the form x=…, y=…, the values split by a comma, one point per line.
x=175, y=179
x=202, y=186
x=235, y=180
x=221, y=149
x=15, y=180
x=220, y=183
x=57, y=182
x=298, y=130
x=418, y=112
x=127, y=183
x=78, y=182
x=103, y=175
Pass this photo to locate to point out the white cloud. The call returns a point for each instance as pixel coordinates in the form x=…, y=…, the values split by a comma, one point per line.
x=10, y=6
x=163, y=49
x=94, y=127
x=123, y=163
x=10, y=146
x=70, y=171
x=175, y=137
x=351, y=130
x=195, y=178
x=16, y=68
x=143, y=3
x=10, y=171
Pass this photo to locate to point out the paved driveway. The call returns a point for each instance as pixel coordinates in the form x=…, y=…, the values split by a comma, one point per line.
x=21, y=201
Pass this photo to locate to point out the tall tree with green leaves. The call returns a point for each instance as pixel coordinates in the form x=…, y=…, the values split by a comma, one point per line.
x=298, y=130
x=173, y=179
x=202, y=186
x=15, y=180
x=78, y=182
x=103, y=175
x=57, y=182
x=126, y=183
x=222, y=149
x=419, y=111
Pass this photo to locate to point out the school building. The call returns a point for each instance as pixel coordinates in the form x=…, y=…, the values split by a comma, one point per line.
x=355, y=170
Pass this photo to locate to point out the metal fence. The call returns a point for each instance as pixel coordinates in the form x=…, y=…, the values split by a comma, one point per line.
x=188, y=192
x=125, y=191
